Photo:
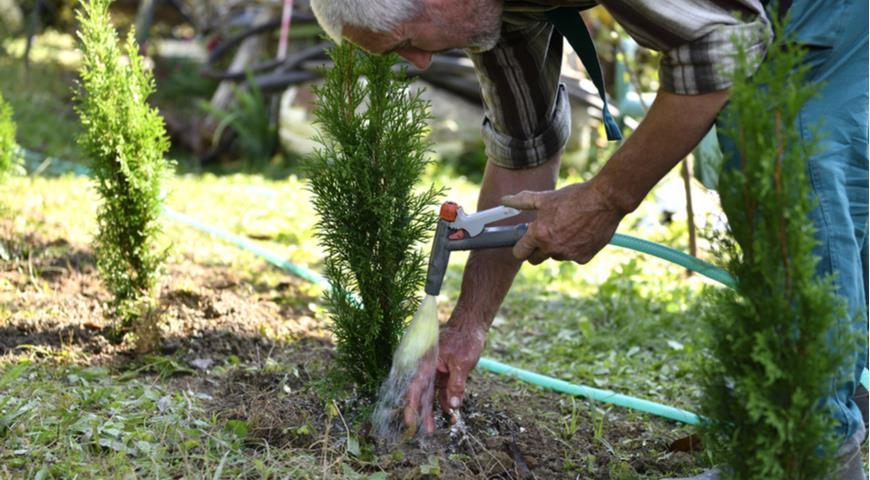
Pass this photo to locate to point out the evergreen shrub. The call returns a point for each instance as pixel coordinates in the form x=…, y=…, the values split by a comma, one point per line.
x=8, y=155
x=373, y=152
x=125, y=139
x=777, y=341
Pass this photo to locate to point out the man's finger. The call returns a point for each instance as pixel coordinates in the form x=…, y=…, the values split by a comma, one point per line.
x=525, y=246
x=426, y=409
x=412, y=405
x=455, y=388
x=537, y=257
x=524, y=200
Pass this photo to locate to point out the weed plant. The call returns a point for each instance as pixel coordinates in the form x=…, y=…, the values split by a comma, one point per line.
x=256, y=135
x=125, y=139
x=776, y=342
x=373, y=153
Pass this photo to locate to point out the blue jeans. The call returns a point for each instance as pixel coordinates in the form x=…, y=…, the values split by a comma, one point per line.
x=835, y=32
x=838, y=173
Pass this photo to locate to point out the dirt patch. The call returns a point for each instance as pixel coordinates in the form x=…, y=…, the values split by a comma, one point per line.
x=53, y=303
x=275, y=357
x=510, y=431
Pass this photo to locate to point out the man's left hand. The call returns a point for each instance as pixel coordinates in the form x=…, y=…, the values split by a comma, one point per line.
x=573, y=223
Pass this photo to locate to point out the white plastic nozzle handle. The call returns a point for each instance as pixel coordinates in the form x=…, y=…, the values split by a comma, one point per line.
x=473, y=224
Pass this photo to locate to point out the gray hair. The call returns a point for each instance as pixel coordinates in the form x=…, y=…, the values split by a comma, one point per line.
x=375, y=15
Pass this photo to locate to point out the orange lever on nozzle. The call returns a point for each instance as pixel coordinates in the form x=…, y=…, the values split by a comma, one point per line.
x=449, y=211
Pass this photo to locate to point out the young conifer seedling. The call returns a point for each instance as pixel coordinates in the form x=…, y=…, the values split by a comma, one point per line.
x=775, y=341
x=125, y=139
x=372, y=154
x=7, y=140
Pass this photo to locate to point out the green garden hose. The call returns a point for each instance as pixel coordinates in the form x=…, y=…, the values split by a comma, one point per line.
x=591, y=393
x=674, y=256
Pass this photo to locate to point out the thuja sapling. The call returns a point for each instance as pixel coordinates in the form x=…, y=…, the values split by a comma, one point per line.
x=7, y=140
x=776, y=341
x=125, y=139
x=372, y=155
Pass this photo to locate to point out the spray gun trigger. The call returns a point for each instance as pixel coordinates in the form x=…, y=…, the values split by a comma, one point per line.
x=474, y=224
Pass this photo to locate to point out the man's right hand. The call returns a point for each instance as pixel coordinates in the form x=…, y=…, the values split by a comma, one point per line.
x=459, y=347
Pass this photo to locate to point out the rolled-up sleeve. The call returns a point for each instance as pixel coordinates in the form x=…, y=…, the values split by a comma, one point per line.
x=698, y=38
x=528, y=119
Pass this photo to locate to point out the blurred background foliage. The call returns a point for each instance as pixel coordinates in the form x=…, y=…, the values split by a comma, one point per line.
x=230, y=64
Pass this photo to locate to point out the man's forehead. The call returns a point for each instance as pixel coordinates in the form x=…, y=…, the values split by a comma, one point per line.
x=369, y=40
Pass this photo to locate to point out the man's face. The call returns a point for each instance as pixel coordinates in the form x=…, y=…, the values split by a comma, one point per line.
x=418, y=39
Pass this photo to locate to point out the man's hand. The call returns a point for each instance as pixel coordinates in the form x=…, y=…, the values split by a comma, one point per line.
x=459, y=348
x=573, y=223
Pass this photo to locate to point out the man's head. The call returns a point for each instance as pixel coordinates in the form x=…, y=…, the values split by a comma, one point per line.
x=415, y=29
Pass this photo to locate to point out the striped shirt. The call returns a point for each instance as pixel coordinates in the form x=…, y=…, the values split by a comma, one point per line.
x=527, y=112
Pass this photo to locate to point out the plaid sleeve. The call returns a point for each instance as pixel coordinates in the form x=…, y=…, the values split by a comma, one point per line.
x=696, y=38
x=528, y=118
x=707, y=64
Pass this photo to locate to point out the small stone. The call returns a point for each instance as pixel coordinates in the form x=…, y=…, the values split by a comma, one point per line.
x=202, y=363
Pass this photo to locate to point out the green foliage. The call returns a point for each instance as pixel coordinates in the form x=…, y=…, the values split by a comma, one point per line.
x=775, y=342
x=373, y=152
x=250, y=120
x=7, y=140
x=39, y=96
x=636, y=331
x=125, y=140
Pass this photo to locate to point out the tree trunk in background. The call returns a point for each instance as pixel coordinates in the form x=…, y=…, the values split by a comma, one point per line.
x=33, y=20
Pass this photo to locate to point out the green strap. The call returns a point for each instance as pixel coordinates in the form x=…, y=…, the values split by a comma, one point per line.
x=570, y=24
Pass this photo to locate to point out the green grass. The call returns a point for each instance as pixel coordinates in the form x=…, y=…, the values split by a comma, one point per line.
x=634, y=331
x=60, y=421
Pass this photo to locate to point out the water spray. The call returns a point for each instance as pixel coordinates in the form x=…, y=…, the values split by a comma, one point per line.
x=456, y=230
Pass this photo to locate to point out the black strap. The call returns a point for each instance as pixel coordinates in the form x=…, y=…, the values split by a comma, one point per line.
x=570, y=24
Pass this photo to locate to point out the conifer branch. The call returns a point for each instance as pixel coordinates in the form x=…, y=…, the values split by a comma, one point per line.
x=7, y=140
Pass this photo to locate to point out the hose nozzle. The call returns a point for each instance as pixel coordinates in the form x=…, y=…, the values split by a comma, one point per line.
x=458, y=231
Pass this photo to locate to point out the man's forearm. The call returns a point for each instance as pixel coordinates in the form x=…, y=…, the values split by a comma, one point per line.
x=489, y=273
x=671, y=129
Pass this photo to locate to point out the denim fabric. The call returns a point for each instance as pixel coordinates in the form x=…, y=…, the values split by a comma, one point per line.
x=839, y=177
x=835, y=33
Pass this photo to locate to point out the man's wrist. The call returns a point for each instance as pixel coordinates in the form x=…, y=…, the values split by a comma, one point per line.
x=469, y=319
x=619, y=196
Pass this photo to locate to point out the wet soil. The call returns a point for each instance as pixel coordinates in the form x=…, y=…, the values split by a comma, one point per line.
x=275, y=357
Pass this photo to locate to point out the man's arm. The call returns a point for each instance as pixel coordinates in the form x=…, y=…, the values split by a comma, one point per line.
x=574, y=222
x=487, y=278
x=577, y=221
x=489, y=273
x=526, y=126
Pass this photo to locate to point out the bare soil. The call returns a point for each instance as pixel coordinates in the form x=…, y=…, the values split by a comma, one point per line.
x=276, y=357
